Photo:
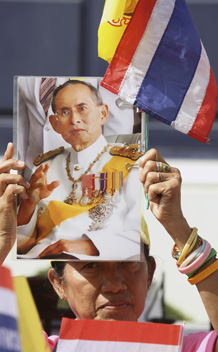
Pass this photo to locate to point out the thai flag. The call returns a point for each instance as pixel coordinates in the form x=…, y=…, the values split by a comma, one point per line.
x=161, y=67
x=116, y=336
x=9, y=333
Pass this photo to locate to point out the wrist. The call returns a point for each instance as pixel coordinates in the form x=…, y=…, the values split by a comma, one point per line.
x=179, y=230
x=5, y=247
x=31, y=201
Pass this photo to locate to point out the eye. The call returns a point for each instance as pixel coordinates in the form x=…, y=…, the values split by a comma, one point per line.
x=82, y=108
x=132, y=266
x=65, y=112
x=90, y=265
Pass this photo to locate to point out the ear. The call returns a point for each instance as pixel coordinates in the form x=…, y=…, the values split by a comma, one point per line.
x=104, y=113
x=55, y=123
x=151, y=270
x=57, y=283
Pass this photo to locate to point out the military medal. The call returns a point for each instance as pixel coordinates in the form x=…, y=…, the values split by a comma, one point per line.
x=87, y=186
x=110, y=185
x=72, y=198
x=116, y=197
x=85, y=198
x=117, y=179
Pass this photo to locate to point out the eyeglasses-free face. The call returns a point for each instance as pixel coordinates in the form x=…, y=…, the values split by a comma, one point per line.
x=105, y=290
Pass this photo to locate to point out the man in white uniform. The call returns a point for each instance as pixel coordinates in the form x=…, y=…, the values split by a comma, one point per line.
x=85, y=201
x=35, y=133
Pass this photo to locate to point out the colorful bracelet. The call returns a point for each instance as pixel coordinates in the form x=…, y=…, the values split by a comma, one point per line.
x=176, y=252
x=204, y=274
x=193, y=255
x=213, y=252
x=198, y=262
x=189, y=243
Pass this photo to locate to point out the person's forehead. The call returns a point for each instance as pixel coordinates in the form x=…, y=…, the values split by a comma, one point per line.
x=79, y=265
x=75, y=91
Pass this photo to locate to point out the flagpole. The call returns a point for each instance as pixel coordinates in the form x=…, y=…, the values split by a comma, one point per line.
x=144, y=139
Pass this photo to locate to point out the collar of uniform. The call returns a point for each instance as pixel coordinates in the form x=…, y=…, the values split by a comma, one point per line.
x=86, y=156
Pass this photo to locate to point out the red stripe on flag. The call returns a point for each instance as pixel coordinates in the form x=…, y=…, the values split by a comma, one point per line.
x=93, y=330
x=127, y=47
x=206, y=115
x=5, y=278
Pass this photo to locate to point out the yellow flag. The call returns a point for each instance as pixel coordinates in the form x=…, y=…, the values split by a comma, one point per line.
x=29, y=322
x=115, y=18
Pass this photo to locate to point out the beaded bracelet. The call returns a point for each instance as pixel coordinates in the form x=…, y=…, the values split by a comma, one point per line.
x=213, y=252
x=176, y=252
x=198, y=262
x=204, y=274
x=188, y=246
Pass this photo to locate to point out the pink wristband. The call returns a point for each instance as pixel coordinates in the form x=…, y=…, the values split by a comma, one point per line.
x=198, y=262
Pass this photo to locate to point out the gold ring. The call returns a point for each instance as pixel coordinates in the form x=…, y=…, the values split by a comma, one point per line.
x=162, y=167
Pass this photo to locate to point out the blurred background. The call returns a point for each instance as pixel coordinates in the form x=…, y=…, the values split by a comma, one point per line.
x=59, y=38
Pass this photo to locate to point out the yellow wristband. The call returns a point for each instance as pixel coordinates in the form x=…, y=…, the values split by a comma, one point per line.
x=203, y=274
x=188, y=244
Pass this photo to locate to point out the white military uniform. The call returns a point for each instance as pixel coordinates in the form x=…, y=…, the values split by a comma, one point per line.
x=35, y=134
x=120, y=238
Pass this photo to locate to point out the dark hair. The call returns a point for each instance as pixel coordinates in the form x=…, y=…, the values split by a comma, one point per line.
x=60, y=265
x=95, y=91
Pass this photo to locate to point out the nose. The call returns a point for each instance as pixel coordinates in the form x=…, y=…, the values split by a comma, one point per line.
x=114, y=281
x=75, y=117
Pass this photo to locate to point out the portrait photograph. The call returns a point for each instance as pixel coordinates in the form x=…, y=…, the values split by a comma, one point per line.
x=81, y=146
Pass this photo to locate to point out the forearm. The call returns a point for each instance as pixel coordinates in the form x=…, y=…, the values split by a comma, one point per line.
x=200, y=265
x=25, y=212
x=179, y=230
x=5, y=248
x=26, y=243
x=208, y=290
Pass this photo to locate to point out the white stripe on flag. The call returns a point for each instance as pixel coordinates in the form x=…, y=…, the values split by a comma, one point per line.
x=115, y=346
x=194, y=95
x=8, y=303
x=146, y=49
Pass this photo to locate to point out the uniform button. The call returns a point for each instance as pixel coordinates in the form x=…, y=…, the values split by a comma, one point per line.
x=76, y=168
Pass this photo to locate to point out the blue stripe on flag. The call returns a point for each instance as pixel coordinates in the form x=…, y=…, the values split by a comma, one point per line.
x=9, y=335
x=180, y=61
x=8, y=321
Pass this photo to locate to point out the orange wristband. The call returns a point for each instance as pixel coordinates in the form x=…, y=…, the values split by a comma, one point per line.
x=204, y=274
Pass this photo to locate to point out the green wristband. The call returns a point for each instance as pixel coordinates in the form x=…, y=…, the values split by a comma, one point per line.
x=212, y=253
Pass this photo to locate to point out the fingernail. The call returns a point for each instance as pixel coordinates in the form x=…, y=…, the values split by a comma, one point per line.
x=9, y=145
x=20, y=163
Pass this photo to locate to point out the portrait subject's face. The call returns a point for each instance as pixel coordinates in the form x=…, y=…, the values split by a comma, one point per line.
x=78, y=118
x=106, y=290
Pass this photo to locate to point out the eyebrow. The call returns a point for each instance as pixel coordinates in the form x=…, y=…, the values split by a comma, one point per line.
x=82, y=104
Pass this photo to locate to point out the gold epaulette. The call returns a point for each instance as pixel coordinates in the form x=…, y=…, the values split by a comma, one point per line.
x=47, y=156
x=129, y=151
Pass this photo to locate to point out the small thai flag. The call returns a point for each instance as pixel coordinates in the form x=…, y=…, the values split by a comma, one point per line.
x=116, y=336
x=9, y=333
